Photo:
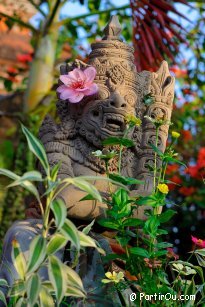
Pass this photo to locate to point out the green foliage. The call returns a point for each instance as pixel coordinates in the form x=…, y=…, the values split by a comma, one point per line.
x=62, y=281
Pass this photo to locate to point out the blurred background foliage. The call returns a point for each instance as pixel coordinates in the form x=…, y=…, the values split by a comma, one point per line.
x=37, y=36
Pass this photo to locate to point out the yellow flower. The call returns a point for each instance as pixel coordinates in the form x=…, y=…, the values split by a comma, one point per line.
x=175, y=134
x=163, y=188
x=113, y=277
x=133, y=120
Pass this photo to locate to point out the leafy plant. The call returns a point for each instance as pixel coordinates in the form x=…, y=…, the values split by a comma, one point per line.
x=30, y=289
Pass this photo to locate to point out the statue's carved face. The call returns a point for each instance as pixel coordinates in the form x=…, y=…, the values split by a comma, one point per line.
x=105, y=115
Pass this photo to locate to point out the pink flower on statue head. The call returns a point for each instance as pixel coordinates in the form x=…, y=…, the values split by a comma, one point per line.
x=77, y=84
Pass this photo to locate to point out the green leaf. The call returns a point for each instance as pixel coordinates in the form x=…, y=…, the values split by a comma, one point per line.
x=33, y=286
x=3, y=283
x=73, y=279
x=75, y=292
x=26, y=185
x=94, y=5
x=21, y=302
x=200, y=251
x=55, y=170
x=31, y=176
x=170, y=159
x=123, y=240
x=120, y=198
x=155, y=149
x=70, y=231
x=151, y=225
x=166, y=216
x=18, y=259
x=132, y=222
x=17, y=289
x=2, y=298
x=147, y=201
x=118, y=141
x=87, y=241
x=37, y=148
x=60, y=212
x=138, y=251
x=57, y=277
x=88, y=197
x=163, y=245
x=84, y=186
x=109, y=223
x=57, y=242
x=125, y=180
x=37, y=253
x=191, y=289
x=9, y=174
x=200, y=260
x=45, y=298
x=88, y=228
x=159, y=253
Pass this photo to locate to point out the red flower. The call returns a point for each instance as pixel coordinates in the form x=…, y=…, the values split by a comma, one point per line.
x=24, y=58
x=176, y=179
x=178, y=72
x=186, y=134
x=171, y=168
x=12, y=70
x=187, y=191
x=193, y=171
x=201, y=158
x=198, y=242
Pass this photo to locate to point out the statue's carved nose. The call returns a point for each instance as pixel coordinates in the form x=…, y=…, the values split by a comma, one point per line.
x=117, y=101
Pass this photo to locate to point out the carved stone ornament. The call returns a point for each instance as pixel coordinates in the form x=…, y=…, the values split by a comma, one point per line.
x=84, y=125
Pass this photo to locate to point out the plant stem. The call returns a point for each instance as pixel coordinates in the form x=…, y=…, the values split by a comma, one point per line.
x=20, y=22
x=120, y=159
x=37, y=7
x=52, y=16
x=155, y=158
x=68, y=20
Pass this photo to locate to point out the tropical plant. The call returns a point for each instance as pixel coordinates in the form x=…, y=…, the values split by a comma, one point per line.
x=30, y=289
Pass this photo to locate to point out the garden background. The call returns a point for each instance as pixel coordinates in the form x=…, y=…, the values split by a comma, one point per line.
x=37, y=36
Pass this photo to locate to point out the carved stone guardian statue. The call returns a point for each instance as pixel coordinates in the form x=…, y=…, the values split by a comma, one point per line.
x=84, y=125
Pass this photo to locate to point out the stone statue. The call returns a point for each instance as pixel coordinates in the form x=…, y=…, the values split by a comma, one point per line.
x=84, y=125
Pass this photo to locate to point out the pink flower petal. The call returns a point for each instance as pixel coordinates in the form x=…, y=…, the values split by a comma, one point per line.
x=194, y=239
x=92, y=89
x=90, y=74
x=61, y=88
x=67, y=94
x=66, y=79
x=77, y=74
x=76, y=97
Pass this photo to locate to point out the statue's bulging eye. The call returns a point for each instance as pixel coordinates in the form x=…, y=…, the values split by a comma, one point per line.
x=95, y=113
x=103, y=93
x=131, y=99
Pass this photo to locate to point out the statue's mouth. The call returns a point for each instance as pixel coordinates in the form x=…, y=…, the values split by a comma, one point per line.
x=113, y=122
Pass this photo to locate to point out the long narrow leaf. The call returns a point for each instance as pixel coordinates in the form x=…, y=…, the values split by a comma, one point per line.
x=71, y=233
x=45, y=298
x=37, y=148
x=60, y=212
x=57, y=277
x=18, y=259
x=57, y=242
x=37, y=253
x=33, y=288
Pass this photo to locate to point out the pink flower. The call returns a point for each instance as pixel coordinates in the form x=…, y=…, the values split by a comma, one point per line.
x=198, y=242
x=77, y=84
